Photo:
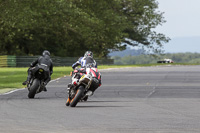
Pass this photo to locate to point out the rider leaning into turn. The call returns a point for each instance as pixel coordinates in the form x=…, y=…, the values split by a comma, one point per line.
x=82, y=61
x=42, y=60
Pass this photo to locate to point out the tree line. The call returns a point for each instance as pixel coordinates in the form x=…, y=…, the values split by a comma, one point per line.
x=70, y=27
x=151, y=59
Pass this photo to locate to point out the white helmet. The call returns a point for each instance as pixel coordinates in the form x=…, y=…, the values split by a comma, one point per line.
x=88, y=53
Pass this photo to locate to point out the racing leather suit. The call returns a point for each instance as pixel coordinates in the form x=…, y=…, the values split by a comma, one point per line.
x=42, y=60
x=83, y=61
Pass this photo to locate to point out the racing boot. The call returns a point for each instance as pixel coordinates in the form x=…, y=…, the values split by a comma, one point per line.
x=44, y=86
x=25, y=82
x=89, y=93
x=28, y=79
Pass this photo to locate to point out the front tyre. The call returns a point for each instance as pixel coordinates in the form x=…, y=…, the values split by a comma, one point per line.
x=77, y=97
x=33, y=88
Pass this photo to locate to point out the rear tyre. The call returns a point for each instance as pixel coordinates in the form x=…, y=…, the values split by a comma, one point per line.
x=33, y=88
x=77, y=97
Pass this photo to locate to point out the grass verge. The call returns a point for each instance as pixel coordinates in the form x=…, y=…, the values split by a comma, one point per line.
x=12, y=78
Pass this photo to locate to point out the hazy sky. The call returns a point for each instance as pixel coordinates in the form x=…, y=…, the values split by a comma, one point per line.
x=182, y=26
x=182, y=16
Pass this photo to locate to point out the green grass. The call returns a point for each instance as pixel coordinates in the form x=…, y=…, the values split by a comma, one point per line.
x=12, y=78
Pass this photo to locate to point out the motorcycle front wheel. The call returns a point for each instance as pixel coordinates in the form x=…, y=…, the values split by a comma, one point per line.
x=33, y=88
x=77, y=97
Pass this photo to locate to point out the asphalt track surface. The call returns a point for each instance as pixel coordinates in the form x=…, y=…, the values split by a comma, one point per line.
x=131, y=100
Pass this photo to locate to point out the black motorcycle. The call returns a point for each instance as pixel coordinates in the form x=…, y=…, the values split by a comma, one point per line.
x=36, y=84
x=88, y=83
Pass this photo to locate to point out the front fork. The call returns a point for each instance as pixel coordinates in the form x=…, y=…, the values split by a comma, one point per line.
x=29, y=84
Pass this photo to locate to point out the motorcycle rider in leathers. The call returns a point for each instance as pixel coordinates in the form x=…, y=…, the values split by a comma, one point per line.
x=82, y=61
x=44, y=60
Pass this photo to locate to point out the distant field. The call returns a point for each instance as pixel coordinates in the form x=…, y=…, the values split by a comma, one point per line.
x=12, y=78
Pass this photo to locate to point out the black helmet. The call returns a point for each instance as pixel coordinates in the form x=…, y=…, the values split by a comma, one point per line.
x=88, y=53
x=46, y=52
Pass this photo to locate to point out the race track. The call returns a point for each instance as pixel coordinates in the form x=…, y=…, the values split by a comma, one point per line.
x=131, y=100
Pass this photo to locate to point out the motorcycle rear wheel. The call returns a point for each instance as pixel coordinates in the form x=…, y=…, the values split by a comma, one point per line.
x=77, y=97
x=33, y=88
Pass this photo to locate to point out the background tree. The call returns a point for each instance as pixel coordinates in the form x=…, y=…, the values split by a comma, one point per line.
x=70, y=27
